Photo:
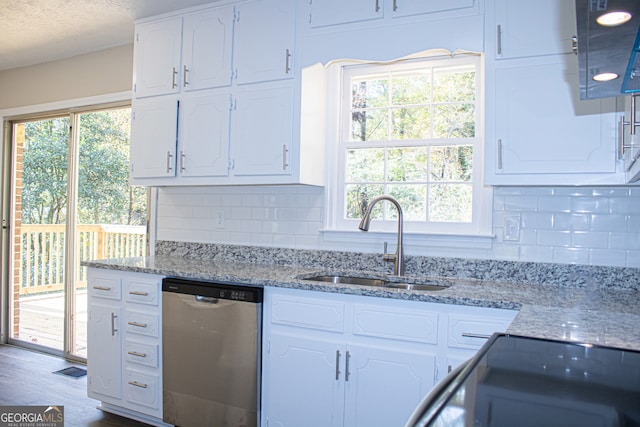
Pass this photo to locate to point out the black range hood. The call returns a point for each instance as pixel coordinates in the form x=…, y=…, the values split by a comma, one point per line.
x=612, y=49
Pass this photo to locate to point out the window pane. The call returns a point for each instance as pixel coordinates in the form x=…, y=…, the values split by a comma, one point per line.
x=450, y=203
x=407, y=164
x=454, y=84
x=411, y=123
x=411, y=89
x=369, y=125
x=412, y=198
x=369, y=93
x=358, y=197
x=451, y=163
x=454, y=121
x=365, y=164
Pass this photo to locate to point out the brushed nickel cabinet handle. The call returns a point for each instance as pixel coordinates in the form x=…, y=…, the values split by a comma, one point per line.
x=499, y=35
x=185, y=71
x=137, y=324
x=135, y=353
x=346, y=366
x=144, y=294
x=337, y=365
x=102, y=288
x=174, y=78
x=137, y=384
x=287, y=62
x=169, y=160
x=113, y=324
x=500, y=154
x=472, y=335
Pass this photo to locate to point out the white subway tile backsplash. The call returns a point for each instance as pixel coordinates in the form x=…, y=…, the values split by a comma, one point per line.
x=571, y=221
x=571, y=255
x=577, y=225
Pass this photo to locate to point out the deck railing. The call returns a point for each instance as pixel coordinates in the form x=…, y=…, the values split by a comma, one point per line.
x=42, y=266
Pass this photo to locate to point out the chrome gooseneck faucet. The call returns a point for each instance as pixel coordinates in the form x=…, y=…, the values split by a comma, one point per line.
x=398, y=258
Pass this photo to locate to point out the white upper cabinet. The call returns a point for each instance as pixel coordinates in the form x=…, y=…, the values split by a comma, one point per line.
x=153, y=137
x=332, y=12
x=206, y=52
x=184, y=53
x=543, y=127
x=203, y=135
x=526, y=28
x=418, y=7
x=264, y=41
x=538, y=131
x=157, y=57
x=262, y=131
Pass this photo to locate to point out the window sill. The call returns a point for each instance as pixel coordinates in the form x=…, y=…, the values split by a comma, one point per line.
x=411, y=240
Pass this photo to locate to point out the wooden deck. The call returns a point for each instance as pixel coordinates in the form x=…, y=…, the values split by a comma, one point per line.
x=42, y=320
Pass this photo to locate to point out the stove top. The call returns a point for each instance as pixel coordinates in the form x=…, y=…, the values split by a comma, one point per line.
x=528, y=382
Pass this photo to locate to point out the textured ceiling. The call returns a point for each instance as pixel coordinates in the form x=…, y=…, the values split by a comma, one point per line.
x=36, y=31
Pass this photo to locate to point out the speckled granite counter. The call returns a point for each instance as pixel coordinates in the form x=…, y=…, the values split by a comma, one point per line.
x=584, y=311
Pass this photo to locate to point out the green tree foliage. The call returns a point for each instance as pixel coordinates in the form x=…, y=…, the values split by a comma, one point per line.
x=104, y=194
x=415, y=114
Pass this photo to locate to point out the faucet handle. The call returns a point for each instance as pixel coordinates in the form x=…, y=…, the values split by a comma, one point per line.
x=388, y=257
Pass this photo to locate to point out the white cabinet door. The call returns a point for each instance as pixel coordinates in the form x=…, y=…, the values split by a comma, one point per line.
x=262, y=134
x=207, y=43
x=332, y=12
x=264, y=41
x=157, y=57
x=385, y=383
x=104, y=360
x=153, y=137
x=541, y=126
x=203, y=135
x=305, y=386
x=417, y=7
x=532, y=28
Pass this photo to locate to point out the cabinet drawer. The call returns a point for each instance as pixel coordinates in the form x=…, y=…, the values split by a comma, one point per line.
x=308, y=313
x=142, y=323
x=142, y=291
x=143, y=354
x=472, y=332
x=105, y=287
x=405, y=325
x=142, y=389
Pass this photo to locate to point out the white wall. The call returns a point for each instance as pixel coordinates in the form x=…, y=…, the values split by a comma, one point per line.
x=591, y=226
x=98, y=73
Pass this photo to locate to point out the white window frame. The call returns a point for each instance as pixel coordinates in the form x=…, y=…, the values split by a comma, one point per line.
x=476, y=234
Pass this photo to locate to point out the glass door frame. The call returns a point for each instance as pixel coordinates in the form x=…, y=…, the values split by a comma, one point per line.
x=71, y=251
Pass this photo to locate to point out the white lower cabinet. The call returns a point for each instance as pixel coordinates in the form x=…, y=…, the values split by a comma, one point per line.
x=124, y=348
x=346, y=360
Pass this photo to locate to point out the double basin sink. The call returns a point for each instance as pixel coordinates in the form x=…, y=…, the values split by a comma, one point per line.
x=395, y=282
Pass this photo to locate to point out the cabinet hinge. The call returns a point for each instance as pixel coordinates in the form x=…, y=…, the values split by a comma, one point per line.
x=232, y=164
x=236, y=15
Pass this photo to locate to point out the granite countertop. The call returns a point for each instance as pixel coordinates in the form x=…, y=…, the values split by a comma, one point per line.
x=586, y=314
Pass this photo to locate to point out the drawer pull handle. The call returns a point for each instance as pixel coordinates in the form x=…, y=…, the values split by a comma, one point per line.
x=102, y=288
x=346, y=366
x=139, y=325
x=472, y=335
x=144, y=294
x=337, y=365
x=135, y=353
x=137, y=384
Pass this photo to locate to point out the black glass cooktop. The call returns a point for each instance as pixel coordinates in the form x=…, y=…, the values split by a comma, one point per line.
x=527, y=382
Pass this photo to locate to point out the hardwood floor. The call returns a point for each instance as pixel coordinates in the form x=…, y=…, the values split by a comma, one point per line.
x=27, y=378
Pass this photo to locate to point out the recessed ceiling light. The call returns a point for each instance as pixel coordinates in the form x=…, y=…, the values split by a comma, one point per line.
x=611, y=19
x=605, y=77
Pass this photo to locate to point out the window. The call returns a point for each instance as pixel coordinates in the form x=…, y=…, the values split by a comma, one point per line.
x=412, y=129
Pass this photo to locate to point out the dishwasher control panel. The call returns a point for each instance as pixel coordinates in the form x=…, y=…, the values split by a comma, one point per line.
x=213, y=290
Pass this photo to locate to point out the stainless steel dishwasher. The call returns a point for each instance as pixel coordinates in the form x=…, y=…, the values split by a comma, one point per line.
x=211, y=353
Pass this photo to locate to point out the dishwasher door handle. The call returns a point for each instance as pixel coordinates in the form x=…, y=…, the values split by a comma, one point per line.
x=210, y=300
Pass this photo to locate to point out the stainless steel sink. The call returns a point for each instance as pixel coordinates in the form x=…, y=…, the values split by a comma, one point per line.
x=377, y=282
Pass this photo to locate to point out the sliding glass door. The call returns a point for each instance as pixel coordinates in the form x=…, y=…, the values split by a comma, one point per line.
x=70, y=202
